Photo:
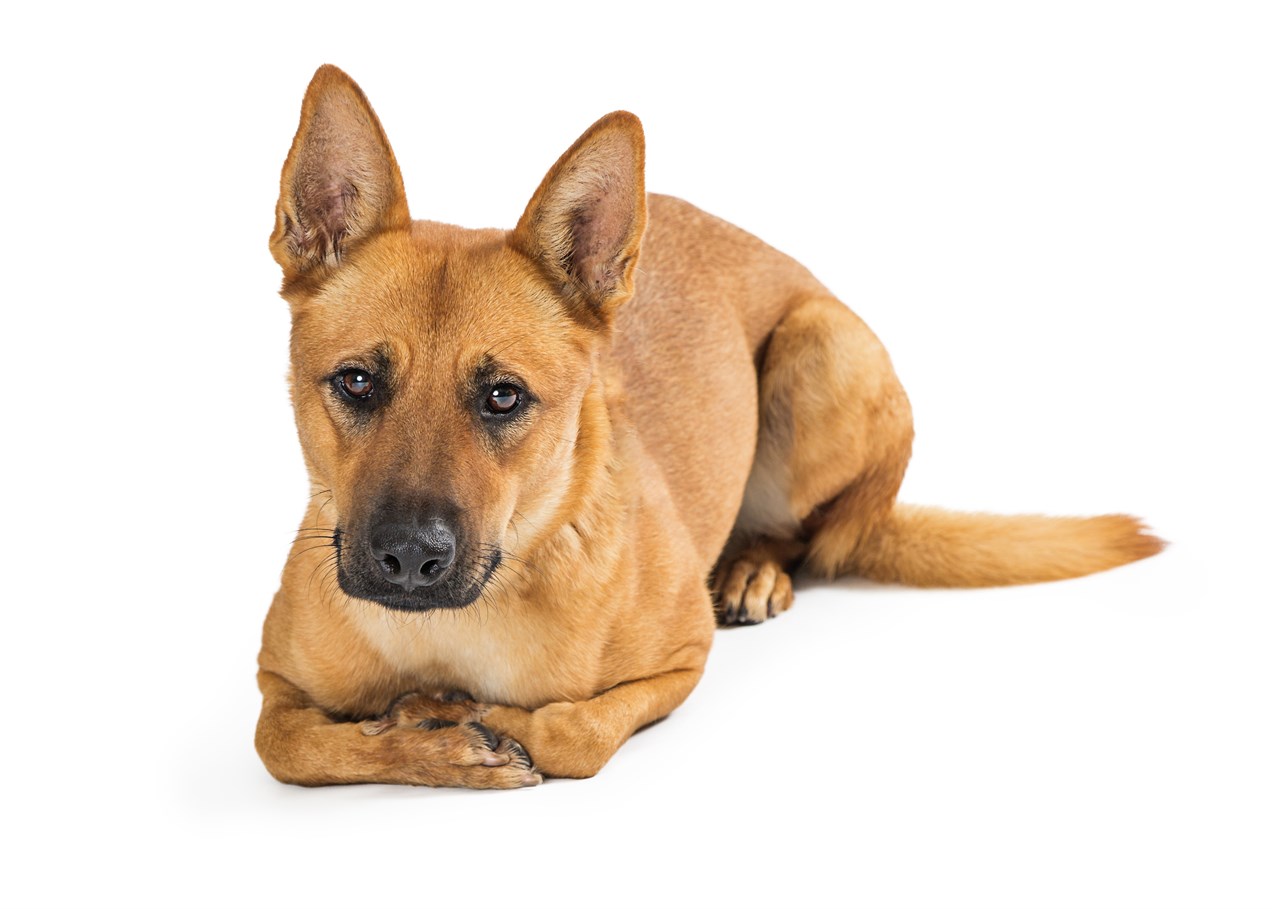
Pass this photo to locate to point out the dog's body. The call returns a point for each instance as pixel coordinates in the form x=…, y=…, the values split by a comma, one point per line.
x=535, y=454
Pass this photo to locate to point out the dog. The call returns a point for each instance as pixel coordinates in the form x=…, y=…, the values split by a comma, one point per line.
x=543, y=475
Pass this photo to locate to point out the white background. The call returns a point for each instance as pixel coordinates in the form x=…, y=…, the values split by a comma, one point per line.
x=1056, y=218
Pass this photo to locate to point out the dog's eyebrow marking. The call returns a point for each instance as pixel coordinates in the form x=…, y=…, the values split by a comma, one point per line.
x=376, y=360
x=487, y=367
x=490, y=371
x=381, y=362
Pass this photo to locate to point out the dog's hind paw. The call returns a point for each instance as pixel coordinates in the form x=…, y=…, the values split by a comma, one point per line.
x=749, y=591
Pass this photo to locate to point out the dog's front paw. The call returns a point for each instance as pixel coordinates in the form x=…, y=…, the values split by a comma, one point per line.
x=427, y=711
x=436, y=739
x=442, y=753
x=750, y=591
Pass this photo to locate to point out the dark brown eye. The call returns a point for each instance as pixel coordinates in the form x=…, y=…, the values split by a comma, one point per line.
x=503, y=399
x=356, y=383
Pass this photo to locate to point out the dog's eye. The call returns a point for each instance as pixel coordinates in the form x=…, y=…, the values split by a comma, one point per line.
x=357, y=383
x=503, y=400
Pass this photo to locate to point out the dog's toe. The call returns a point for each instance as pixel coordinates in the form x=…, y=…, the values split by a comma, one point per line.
x=748, y=592
x=509, y=766
x=516, y=754
x=519, y=761
x=489, y=738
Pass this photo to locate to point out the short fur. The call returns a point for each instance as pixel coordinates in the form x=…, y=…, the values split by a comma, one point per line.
x=714, y=414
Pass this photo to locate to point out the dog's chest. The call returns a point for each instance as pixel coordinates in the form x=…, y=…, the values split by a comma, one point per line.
x=492, y=657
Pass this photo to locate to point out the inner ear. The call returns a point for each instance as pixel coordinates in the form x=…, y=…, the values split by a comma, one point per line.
x=340, y=183
x=585, y=222
x=601, y=226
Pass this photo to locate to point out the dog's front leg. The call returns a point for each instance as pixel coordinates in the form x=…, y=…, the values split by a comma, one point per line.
x=300, y=743
x=576, y=739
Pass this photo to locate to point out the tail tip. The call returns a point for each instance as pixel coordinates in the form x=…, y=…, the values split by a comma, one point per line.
x=1132, y=538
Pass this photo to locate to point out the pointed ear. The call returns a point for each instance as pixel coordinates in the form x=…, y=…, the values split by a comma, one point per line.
x=340, y=184
x=584, y=225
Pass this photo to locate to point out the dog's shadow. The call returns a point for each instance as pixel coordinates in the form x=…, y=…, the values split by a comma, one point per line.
x=394, y=792
x=802, y=581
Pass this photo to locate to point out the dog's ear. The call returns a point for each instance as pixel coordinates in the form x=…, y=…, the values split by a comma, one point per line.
x=584, y=224
x=340, y=184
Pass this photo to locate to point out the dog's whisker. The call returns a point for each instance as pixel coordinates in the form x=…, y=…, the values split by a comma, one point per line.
x=298, y=553
x=324, y=566
x=307, y=538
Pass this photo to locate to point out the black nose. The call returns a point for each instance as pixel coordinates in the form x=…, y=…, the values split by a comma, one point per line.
x=413, y=555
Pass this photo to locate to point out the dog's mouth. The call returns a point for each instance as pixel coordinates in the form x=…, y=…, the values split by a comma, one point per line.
x=386, y=580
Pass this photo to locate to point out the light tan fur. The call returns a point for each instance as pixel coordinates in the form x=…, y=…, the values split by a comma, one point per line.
x=711, y=413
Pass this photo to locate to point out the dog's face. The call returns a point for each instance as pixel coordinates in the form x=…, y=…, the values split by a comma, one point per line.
x=440, y=375
x=437, y=384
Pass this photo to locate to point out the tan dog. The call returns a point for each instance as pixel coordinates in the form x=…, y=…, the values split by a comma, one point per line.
x=528, y=456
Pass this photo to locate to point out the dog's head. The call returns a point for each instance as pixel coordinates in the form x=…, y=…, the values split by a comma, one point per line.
x=440, y=375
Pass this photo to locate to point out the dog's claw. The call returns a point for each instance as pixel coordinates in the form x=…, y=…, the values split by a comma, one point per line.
x=492, y=740
x=516, y=754
x=435, y=723
x=519, y=759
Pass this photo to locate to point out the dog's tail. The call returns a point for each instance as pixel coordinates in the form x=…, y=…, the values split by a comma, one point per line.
x=931, y=547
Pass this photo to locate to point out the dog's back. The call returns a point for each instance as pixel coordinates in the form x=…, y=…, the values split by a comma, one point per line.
x=687, y=344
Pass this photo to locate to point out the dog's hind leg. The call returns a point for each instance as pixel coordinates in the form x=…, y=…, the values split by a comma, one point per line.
x=834, y=440
x=833, y=444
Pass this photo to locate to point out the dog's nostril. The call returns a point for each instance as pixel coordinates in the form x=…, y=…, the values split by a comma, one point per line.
x=412, y=555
